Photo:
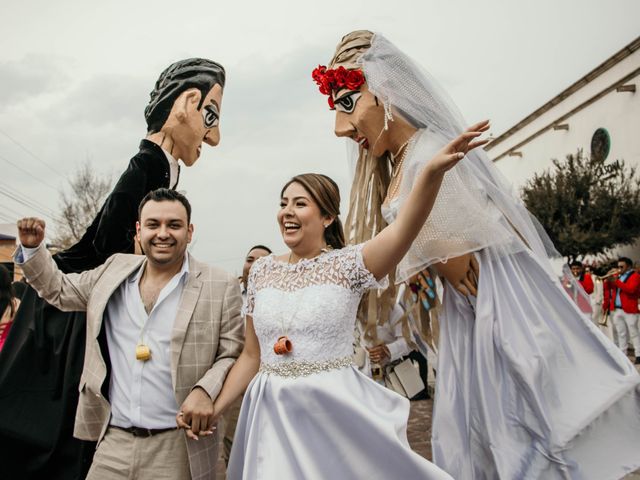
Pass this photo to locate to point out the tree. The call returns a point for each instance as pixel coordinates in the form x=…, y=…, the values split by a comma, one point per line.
x=81, y=205
x=587, y=206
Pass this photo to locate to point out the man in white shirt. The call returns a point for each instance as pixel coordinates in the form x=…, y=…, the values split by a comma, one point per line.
x=391, y=344
x=390, y=347
x=173, y=330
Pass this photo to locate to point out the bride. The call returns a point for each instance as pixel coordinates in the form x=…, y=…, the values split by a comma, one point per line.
x=527, y=387
x=308, y=412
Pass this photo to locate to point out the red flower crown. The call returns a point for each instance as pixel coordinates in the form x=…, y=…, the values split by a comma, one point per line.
x=335, y=79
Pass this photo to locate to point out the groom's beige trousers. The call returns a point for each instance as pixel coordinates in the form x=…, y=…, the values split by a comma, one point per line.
x=121, y=455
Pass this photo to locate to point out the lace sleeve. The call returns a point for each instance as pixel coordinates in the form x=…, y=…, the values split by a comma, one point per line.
x=359, y=277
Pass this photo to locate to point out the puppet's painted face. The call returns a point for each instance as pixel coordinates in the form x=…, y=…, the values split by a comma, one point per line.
x=360, y=116
x=198, y=126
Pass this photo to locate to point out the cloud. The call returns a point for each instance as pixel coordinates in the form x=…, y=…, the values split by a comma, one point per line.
x=101, y=101
x=271, y=105
x=30, y=77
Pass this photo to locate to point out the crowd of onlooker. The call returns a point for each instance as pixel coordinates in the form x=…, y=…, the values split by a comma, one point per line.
x=614, y=290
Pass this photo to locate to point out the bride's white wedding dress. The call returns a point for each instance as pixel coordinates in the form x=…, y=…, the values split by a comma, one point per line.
x=311, y=414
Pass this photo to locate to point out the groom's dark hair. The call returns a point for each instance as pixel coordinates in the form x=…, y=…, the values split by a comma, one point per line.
x=165, y=195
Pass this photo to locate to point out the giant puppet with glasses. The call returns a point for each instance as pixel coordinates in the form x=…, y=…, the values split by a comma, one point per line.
x=42, y=359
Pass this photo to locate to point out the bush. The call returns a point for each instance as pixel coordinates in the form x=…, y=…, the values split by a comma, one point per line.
x=587, y=206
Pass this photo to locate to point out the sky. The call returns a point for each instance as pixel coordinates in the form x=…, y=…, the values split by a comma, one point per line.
x=75, y=77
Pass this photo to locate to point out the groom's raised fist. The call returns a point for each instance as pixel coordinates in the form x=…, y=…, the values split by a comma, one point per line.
x=31, y=231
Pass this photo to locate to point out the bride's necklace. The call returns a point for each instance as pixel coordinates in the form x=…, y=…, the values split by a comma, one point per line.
x=284, y=345
x=395, y=155
x=397, y=167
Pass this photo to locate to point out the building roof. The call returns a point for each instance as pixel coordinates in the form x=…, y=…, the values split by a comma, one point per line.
x=589, y=77
x=8, y=231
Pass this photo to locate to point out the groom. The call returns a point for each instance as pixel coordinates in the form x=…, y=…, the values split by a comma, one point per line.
x=173, y=330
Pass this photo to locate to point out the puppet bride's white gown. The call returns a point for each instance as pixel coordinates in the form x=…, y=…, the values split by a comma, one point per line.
x=527, y=387
x=311, y=414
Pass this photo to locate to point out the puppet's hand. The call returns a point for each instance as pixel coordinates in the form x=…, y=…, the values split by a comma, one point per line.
x=462, y=273
x=455, y=150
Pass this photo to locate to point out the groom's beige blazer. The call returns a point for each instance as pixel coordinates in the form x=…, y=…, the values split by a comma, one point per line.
x=206, y=339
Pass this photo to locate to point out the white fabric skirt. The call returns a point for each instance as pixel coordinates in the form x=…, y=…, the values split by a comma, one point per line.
x=337, y=424
x=527, y=386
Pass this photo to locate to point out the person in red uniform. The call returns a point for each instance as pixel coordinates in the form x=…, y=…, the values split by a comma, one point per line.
x=621, y=293
x=584, y=278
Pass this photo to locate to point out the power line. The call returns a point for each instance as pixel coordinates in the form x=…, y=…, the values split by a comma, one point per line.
x=28, y=173
x=33, y=155
x=12, y=211
x=25, y=198
x=26, y=204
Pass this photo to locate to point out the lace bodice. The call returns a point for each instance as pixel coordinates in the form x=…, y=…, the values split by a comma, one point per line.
x=314, y=302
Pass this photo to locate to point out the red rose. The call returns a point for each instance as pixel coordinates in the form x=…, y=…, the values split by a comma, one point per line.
x=324, y=88
x=354, y=79
x=330, y=77
x=340, y=75
x=329, y=80
x=318, y=73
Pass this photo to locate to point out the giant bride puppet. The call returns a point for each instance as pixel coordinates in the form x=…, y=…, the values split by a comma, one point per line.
x=526, y=386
